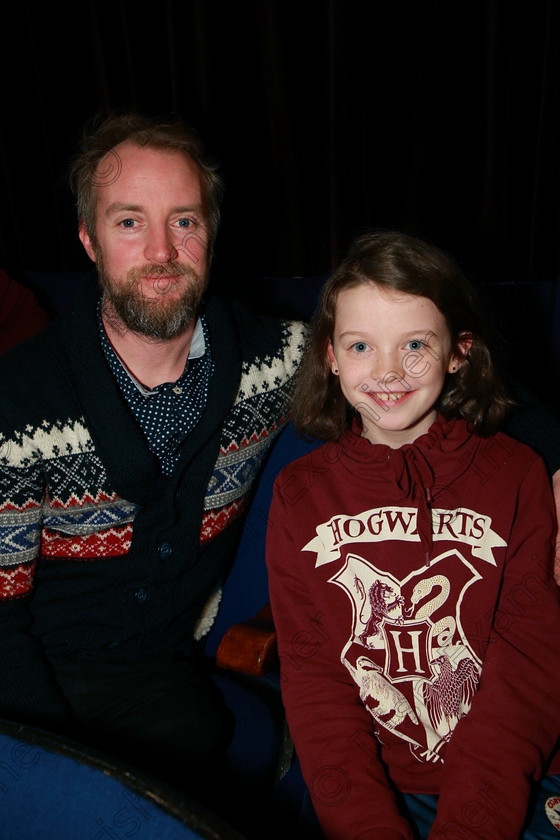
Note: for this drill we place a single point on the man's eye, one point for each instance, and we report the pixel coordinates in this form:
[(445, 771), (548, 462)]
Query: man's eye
[(128, 223), (414, 344), (185, 223), (360, 346)]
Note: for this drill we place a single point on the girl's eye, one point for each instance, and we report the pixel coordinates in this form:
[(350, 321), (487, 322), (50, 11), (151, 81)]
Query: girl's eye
[(414, 344), (360, 347)]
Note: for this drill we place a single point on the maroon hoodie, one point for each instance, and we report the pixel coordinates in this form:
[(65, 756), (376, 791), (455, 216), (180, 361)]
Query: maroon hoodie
[(418, 629)]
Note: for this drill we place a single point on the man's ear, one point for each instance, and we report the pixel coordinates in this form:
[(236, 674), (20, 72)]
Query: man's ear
[(464, 344), (86, 241)]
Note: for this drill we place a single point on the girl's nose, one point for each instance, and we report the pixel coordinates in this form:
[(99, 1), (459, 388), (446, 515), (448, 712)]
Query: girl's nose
[(387, 368)]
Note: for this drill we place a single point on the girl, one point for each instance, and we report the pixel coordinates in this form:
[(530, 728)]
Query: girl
[(409, 563)]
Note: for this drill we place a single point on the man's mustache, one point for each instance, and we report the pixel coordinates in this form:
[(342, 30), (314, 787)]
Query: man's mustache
[(170, 269)]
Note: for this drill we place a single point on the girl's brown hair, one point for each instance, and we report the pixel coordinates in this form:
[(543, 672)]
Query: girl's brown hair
[(408, 265)]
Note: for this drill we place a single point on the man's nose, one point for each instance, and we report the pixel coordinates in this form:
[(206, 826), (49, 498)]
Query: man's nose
[(160, 244)]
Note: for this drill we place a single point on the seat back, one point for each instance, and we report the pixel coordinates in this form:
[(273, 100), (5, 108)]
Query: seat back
[(53, 789)]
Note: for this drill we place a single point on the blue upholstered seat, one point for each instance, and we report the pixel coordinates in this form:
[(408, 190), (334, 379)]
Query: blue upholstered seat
[(53, 789)]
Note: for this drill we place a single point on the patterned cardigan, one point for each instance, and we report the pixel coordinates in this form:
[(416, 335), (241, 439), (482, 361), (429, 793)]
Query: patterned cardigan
[(102, 557)]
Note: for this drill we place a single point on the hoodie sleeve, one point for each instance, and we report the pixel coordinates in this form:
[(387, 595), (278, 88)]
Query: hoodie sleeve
[(506, 740), (331, 729)]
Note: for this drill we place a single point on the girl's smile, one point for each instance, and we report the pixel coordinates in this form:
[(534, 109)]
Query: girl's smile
[(392, 352), (391, 398)]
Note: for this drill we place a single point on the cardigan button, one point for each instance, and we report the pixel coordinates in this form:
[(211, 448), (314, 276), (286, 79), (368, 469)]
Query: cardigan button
[(141, 596), (165, 550)]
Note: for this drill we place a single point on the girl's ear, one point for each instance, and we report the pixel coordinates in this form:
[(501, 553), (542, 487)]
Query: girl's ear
[(331, 359), (464, 344)]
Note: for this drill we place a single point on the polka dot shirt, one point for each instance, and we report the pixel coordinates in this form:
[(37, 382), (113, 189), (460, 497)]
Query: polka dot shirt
[(168, 413)]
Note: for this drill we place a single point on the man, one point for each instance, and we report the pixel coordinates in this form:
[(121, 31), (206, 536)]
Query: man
[(130, 434)]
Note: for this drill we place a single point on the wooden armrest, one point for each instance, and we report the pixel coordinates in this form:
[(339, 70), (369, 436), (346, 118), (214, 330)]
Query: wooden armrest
[(250, 646)]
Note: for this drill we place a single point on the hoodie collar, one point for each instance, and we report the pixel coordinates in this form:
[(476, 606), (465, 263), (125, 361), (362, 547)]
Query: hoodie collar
[(417, 472)]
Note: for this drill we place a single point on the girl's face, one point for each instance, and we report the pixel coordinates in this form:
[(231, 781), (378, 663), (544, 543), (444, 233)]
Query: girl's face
[(392, 352)]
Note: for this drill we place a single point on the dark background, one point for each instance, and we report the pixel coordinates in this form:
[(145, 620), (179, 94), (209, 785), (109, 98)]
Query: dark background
[(327, 117), (437, 117)]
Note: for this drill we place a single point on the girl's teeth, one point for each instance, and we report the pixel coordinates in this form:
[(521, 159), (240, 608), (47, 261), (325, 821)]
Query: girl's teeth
[(384, 397)]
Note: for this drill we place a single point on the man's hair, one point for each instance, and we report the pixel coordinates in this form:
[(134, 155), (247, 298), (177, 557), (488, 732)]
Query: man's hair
[(400, 263), (143, 132)]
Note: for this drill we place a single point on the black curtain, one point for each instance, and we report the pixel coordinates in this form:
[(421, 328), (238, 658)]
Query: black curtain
[(432, 116)]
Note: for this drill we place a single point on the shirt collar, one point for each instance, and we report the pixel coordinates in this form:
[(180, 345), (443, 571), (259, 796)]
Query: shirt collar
[(197, 351), (198, 342)]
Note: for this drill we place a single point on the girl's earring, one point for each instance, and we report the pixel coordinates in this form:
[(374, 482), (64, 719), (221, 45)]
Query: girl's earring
[(335, 371)]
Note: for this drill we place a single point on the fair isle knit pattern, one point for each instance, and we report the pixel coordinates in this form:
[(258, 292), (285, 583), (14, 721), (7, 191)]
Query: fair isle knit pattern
[(258, 413), (95, 523), (103, 557), (82, 520)]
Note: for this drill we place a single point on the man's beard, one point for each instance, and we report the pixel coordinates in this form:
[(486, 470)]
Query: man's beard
[(166, 313)]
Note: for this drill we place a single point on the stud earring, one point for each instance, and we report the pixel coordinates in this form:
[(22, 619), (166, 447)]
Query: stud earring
[(335, 371)]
